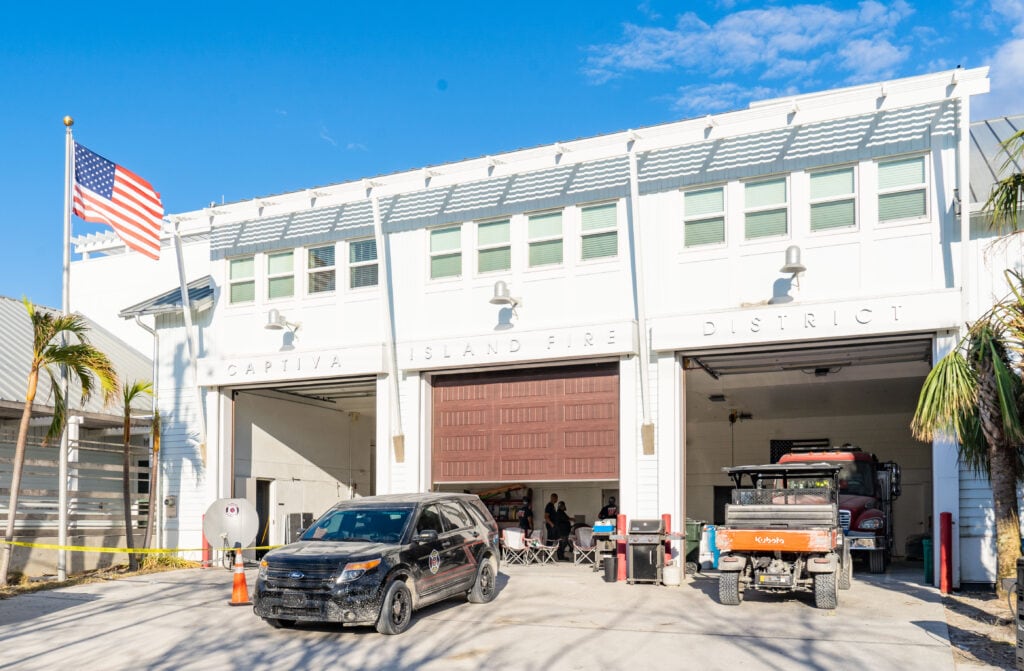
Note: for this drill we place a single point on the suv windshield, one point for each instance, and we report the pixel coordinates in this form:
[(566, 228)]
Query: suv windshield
[(360, 525), (855, 478)]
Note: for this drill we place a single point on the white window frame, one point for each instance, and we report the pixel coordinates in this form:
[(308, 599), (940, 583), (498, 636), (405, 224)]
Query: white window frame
[(925, 185), (312, 272), (276, 276), (447, 252), (530, 242), (707, 216), (235, 281), (747, 211), (507, 244), (852, 196), (361, 264), (584, 234)]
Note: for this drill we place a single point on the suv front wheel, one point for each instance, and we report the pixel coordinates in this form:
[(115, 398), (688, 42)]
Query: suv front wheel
[(395, 609)]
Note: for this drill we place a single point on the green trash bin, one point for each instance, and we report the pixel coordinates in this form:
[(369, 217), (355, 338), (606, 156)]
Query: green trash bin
[(691, 549), (929, 560)]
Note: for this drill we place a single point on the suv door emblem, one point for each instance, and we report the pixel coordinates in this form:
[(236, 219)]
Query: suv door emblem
[(435, 561)]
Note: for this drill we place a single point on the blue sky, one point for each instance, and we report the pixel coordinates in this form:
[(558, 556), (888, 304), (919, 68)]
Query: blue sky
[(217, 101)]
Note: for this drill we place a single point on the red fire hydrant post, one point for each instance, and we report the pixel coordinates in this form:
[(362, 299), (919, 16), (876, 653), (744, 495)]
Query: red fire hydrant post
[(620, 547), (667, 519), (945, 552)]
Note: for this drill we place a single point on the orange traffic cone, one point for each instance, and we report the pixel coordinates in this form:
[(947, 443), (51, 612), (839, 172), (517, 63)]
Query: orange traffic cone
[(239, 590)]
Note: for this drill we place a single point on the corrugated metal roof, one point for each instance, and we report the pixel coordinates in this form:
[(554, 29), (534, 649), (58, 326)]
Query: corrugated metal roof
[(16, 353), (200, 297), (987, 155)]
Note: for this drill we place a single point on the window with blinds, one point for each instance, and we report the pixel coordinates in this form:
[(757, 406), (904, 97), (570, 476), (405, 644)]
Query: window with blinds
[(362, 263), (902, 189), (320, 276), (766, 210), (280, 274), (544, 232), (599, 232), (446, 252), (704, 217), (242, 280), (493, 246), (833, 200)]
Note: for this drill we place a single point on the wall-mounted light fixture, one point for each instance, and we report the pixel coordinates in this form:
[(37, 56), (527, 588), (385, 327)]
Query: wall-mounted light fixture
[(502, 296), (794, 267), (277, 322)]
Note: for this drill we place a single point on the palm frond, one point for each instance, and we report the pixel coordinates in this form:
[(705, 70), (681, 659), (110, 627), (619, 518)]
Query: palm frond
[(947, 396), (1007, 196), (131, 392), (59, 408)]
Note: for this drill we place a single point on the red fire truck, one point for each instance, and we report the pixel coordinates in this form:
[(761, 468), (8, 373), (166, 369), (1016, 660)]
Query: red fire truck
[(867, 489)]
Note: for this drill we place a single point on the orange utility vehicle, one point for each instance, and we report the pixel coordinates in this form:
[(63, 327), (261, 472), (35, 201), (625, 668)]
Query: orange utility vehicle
[(782, 533)]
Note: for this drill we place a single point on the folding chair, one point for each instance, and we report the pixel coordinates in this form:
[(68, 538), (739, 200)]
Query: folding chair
[(583, 549), (542, 552), (515, 548)]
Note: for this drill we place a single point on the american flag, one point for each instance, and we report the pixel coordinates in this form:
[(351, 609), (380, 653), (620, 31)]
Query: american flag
[(106, 193)]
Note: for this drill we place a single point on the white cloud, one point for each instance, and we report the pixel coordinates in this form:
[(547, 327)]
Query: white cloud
[(326, 137), (870, 59), (1007, 72), (355, 146), (755, 39), (719, 97)]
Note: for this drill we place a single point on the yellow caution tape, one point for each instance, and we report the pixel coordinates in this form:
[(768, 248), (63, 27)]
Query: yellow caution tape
[(89, 548)]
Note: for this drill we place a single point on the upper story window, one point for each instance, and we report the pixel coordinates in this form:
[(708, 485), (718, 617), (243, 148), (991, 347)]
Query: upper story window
[(320, 269), (362, 263), (446, 252), (599, 230), (704, 217), (544, 232), (242, 280), (766, 210), (493, 247), (902, 189), (833, 199), (280, 274)]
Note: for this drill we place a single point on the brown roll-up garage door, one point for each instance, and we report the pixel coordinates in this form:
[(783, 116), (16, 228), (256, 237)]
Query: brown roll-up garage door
[(534, 424)]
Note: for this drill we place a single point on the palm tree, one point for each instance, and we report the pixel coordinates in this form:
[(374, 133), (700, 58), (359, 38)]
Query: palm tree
[(129, 394), (154, 475), (975, 393), (53, 346)]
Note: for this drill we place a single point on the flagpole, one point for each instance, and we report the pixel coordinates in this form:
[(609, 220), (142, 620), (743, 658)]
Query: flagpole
[(62, 470)]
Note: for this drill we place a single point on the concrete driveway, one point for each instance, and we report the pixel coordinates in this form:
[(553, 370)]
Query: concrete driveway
[(545, 617)]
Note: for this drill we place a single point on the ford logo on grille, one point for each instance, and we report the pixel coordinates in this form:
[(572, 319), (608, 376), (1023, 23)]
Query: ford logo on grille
[(296, 575)]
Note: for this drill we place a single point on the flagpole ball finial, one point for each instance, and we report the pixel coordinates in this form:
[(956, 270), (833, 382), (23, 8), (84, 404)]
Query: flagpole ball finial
[(69, 122)]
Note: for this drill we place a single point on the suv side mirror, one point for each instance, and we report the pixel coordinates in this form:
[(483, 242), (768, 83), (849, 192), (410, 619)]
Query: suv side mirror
[(428, 536)]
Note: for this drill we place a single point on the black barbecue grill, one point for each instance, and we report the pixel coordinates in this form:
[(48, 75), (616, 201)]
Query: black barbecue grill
[(645, 551)]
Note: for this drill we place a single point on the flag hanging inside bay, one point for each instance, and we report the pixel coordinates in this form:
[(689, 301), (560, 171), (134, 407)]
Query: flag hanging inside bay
[(106, 193)]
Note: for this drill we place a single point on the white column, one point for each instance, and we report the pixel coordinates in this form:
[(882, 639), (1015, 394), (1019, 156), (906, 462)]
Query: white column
[(945, 479), (628, 437), (671, 451)]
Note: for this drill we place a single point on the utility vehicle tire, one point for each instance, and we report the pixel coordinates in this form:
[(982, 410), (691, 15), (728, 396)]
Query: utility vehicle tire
[(846, 569), (395, 609), (729, 588), (825, 593), (279, 624), (484, 587), (876, 561)]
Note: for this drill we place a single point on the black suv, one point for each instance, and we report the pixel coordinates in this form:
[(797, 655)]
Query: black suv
[(375, 560)]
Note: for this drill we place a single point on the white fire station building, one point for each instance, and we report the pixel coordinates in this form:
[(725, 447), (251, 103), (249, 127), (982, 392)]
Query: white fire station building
[(619, 315)]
